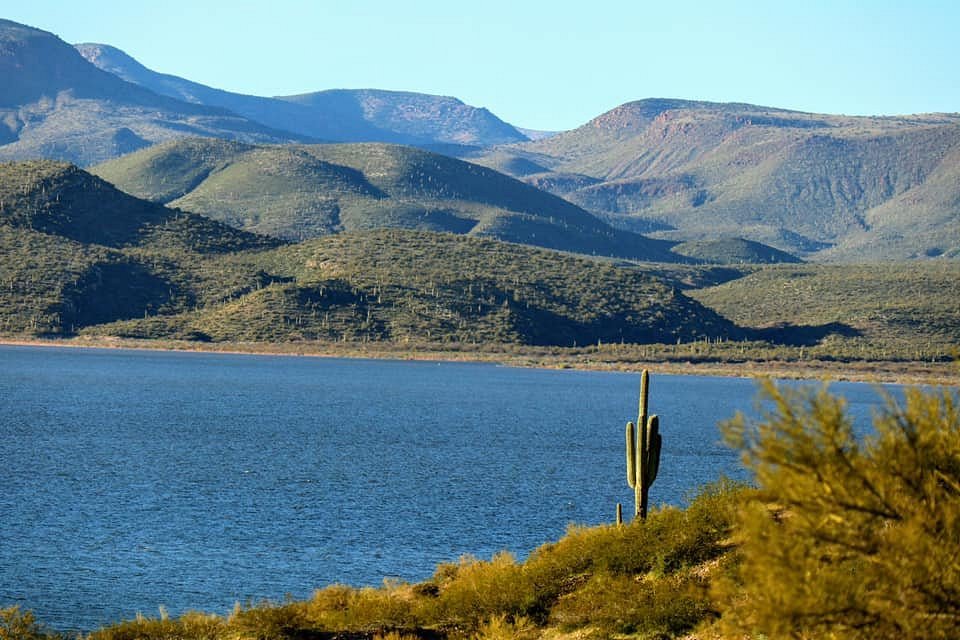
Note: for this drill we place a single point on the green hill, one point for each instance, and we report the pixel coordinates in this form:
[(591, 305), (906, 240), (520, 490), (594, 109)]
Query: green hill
[(732, 251), (80, 256), (406, 286), (910, 308), (302, 191), (76, 251), (819, 186), (62, 200)]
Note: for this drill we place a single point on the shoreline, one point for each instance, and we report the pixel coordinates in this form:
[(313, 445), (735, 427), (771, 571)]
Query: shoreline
[(878, 372)]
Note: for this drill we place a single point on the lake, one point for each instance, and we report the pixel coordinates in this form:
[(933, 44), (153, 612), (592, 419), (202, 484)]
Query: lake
[(136, 479)]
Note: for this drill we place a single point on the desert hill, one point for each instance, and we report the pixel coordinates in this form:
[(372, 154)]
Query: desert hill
[(836, 187), (303, 191)]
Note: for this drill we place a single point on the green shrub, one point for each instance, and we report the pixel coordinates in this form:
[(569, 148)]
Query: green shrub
[(472, 590), (849, 537), (502, 628), (20, 625), (339, 607), (192, 625), (628, 604)]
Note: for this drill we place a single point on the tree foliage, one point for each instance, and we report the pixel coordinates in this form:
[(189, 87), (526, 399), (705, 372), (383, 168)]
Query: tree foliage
[(849, 537)]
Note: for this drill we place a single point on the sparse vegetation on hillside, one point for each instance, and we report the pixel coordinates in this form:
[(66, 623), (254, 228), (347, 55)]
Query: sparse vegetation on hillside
[(302, 192), (85, 258), (854, 188), (733, 251), (900, 310), (414, 286)]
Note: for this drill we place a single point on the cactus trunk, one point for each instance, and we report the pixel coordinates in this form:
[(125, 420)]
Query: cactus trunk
[(643, 450)]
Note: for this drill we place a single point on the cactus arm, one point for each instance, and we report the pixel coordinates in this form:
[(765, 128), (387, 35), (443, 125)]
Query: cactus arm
[(631, 455), (653, 450)]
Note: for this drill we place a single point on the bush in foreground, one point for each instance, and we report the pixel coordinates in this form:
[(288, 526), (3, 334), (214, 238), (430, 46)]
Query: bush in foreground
[(849, 537)]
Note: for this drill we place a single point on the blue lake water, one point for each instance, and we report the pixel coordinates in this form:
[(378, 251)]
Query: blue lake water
[(131, 479)]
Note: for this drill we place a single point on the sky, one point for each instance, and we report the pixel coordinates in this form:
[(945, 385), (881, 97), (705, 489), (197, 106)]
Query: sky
[(544, 65)]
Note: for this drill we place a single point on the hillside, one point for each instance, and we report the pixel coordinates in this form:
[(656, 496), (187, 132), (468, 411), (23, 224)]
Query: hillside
[(75, 251), (56, 105), (342, 115), (732, 251), (404, 286), (303, 191), (60, 199), (818, 186), (79, 255), (876, 310)]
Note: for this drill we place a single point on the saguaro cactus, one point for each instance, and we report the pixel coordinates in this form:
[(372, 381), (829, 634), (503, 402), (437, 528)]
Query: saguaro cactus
[(643, 450)]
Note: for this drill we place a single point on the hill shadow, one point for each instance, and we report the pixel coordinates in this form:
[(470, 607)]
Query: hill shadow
[(801, 335)]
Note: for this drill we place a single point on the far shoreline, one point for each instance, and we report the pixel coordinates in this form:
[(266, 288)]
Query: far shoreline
[(878, 372)]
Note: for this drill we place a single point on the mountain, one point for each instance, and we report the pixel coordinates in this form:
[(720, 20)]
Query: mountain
[(733, 251), (77, 255), (60, 199), (302, 191), (907, 307), (415, 287), (54, 104), (342, 115), (818, 186), (408, 118), (75, 251)]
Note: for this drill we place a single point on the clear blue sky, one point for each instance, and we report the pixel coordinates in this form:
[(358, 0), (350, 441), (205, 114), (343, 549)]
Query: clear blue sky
[(540, 64)]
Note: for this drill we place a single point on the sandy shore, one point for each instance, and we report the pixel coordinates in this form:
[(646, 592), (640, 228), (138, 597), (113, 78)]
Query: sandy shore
[(938, 373)]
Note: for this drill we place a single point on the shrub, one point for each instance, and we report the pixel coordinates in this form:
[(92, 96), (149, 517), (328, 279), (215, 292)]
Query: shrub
[(196, 626), (20, 625), (848, 537), (618, 604), (474, 590), (339, 607)]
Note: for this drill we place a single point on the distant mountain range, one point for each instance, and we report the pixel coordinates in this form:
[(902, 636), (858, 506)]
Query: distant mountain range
[(56, 103), (341, 115), (833, 187), (730, 182)]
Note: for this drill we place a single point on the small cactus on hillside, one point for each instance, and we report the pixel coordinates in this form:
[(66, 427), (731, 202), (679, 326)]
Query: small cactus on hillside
[(643, 450)]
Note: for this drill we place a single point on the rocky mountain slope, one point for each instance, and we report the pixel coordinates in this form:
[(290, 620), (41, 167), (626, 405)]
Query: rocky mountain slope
[(54, 104), (834, 187), (341, 115)]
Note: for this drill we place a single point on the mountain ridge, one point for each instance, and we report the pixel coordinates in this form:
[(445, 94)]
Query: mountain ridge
[(809, 184), (77, 255), (54, 104), (333, 115)]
